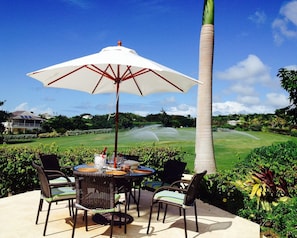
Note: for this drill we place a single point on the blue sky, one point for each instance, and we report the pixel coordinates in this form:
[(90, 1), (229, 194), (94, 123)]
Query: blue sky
[(253, 40)]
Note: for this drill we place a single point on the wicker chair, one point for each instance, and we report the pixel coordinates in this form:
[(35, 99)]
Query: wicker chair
[(53, 170), (173, 171), (175, 196), (53, 193), (96, 193)]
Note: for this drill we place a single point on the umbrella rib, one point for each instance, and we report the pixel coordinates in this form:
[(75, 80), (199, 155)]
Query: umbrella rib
[(136, 74), (166, 80), (103, 72), (65, 75), (133, 76)]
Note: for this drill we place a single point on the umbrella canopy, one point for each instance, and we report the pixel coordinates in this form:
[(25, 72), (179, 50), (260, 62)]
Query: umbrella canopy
[(114, 69)]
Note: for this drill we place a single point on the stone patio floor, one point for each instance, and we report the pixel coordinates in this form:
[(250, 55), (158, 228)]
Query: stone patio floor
[(18, 214)]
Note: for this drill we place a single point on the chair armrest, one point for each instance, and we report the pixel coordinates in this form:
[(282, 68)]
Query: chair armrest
[(169, 188), (59, 185), (55, 173), (180, 181)]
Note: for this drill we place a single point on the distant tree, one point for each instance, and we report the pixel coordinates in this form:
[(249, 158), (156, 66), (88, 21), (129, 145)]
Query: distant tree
[(153, 118), (165, 119), (289, 83), (102, 121), (3, 117), (125, 122), (79, 123), (60, 124)]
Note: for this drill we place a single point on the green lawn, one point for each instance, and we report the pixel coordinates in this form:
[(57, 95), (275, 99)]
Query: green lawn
[(229, 146)]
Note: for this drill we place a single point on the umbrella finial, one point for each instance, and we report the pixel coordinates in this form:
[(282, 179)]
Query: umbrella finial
[(119, 43)]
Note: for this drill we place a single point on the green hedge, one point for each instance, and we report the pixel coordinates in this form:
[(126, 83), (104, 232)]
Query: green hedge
[(18, 175)]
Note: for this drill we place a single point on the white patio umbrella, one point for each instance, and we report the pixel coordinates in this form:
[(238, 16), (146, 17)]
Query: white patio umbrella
[(114, 69)]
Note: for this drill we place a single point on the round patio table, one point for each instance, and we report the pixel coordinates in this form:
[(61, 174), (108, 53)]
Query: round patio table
[(123, 179), (140, 171)]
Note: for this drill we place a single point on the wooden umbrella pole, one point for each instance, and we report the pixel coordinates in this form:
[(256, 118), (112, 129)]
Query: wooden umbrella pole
[(116, 128)]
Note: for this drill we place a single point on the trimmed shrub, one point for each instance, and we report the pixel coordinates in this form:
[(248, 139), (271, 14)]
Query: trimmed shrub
[(17, 174)]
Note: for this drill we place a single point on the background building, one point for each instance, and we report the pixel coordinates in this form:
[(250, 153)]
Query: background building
[(22, 122)]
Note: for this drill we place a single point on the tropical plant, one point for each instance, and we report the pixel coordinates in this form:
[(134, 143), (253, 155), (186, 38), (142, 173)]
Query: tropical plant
[(204, 147), (289, 83), (265, 188), (262, 188)]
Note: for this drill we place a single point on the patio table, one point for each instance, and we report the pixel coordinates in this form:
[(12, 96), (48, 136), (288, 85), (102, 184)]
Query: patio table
[(123, 179)]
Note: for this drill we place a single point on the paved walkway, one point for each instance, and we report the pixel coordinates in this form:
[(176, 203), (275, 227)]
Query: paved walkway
[(18, 213)]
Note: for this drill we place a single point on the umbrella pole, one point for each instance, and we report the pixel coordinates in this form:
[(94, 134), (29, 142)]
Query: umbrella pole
[(116, 129)]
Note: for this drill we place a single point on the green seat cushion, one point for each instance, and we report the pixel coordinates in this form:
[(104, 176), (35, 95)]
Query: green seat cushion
[(61, 193), (100, 211), (170, 196)]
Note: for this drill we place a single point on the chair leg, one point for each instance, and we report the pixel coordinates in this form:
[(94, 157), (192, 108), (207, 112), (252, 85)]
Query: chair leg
[(165, 212), (39, 210), (138, 186), (47, 216), (196, 219), (125, 225), (86, 219), (74, 223), (70, 207), (136, 199), (159, 208), (40, 204), (139, 190), (111, 224), (185, 223), (150, 217)]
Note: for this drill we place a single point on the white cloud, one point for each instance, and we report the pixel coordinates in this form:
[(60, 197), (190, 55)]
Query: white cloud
[(228, 107), (142, 113), (246, 77), (250, 100), (290, 11), (169, 100), (183, 110), (277, 100), (291, 67), (21, 107), (251, 89), (259, 17), (36, 110), (248, 71), (240, 88), (232, 107), (285, 26)]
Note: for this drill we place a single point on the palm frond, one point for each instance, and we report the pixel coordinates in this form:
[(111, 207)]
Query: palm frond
[(208, 13)]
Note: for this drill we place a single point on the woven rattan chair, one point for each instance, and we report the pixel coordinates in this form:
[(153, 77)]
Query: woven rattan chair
[(173, 171), (53, 170), (175, 196), (96, 193), (53, 193)]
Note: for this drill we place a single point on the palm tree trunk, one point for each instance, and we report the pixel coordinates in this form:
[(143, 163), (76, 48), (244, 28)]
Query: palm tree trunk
[(205, 159)]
